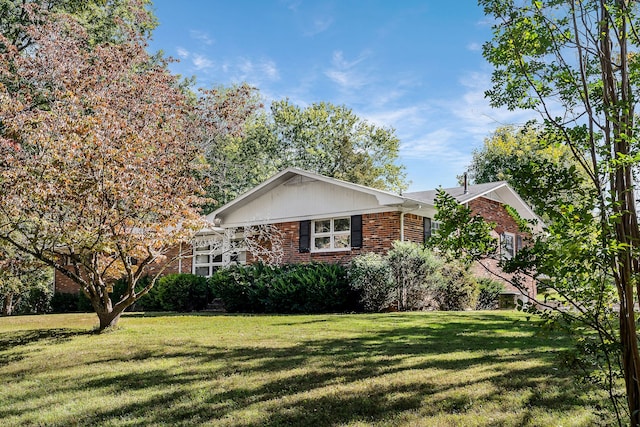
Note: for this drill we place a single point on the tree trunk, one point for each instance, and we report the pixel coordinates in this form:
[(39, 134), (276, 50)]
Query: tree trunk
[(108, 319), (630, 357), (107, 315), (7, 304)]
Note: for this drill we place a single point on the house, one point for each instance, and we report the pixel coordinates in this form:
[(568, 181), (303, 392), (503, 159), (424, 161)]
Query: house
[(299, 217), (317, 218)]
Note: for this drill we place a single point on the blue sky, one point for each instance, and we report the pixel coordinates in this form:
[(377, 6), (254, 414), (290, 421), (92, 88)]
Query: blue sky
[(414, 65)]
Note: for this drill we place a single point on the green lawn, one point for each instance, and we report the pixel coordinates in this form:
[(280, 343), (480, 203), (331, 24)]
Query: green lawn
[(431, 369)]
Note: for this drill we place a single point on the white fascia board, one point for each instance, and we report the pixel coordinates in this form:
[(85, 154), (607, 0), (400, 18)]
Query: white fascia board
[(310, 217)]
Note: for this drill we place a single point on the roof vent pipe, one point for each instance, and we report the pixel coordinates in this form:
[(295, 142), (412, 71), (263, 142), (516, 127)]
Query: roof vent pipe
[(466, 184)]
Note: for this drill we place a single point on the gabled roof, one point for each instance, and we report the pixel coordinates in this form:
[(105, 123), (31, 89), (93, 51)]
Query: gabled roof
[(458, 193), (385, 198), (499, 191), (294, 178)]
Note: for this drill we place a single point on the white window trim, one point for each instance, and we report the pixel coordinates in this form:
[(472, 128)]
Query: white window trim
[(331, 234), (225, 251)]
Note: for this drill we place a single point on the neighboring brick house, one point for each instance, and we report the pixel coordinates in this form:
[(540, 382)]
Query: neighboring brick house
[(328, 220)]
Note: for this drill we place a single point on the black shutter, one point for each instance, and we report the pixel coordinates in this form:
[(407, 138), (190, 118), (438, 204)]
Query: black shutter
[(426, 223), (305, 236), (356, 231)]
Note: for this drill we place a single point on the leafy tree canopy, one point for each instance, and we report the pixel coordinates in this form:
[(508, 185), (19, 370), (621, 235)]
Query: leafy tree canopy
[(576, 63), (536, 164), (322, 138), (97, 166)]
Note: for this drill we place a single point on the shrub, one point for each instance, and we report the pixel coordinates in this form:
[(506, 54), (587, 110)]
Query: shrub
[(457, 289), (371, 275), (183, 292), (63, 302), (36, 301), (414, 269), (489, 295), (148, 302), (295, 288)]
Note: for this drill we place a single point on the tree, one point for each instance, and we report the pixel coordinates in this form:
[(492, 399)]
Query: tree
[(232, 139), (532, 160), (576, 63), (331, 140), (97, 171), (21, 275), (245, 145), (104, 20)]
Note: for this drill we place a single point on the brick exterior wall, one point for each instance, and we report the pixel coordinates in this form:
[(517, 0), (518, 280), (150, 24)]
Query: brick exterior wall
[(66, 285), (379, 231), (493, 211)]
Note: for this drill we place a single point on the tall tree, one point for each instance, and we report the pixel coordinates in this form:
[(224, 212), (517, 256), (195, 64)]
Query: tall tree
[(333, 141), (97, 171), (577, 63), (245, 144), (102, 19), (532, 160), (228, 123)]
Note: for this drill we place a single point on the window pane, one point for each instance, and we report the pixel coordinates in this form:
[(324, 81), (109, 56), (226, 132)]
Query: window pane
[(342, 224), (322, 226), (203, 248), (507, 244), (342, 241), (202, 271), (322, 242), (217, 258), (202, 259)]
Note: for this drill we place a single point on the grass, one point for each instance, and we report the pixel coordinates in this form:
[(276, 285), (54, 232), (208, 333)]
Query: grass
[(431, 369)]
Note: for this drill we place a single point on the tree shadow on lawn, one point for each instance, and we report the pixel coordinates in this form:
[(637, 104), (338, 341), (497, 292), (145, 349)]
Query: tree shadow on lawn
[(376, 377), (11, 343)]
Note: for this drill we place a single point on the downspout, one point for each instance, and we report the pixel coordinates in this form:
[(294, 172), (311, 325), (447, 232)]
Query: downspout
[(180, 259), (402, 214)]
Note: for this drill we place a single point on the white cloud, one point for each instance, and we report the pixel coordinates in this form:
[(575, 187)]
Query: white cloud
[(474, 47), (202, 36), (344, 72), (255, 72), (182, 53), (201, 62), (319, 25)]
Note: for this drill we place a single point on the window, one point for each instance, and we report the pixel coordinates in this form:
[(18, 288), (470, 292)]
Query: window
[(206, 260), (331, 234), (430, 228), (507, 245)]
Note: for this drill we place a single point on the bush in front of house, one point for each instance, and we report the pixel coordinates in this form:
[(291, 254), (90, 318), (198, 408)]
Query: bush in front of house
[(294, 288), (36, 300), (489, 295), (457, 289), (148, 302), (371, 275), (416, 270), (182, 292), (402, 279), (242, 288), (411, 277)]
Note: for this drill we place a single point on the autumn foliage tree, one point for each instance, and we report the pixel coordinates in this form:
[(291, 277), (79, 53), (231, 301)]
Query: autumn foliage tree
[(98, 176)]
